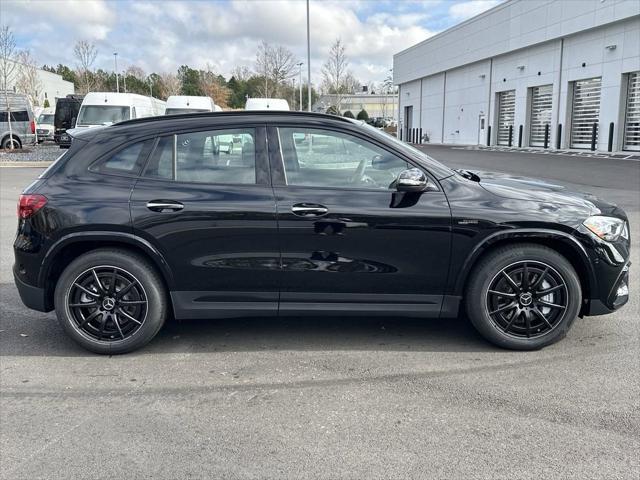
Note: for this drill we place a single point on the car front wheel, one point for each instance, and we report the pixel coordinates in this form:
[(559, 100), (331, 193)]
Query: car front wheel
[(111, 301), (523, 297)]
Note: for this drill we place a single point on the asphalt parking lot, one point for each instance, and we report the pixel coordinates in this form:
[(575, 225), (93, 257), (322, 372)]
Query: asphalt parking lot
[(328, 398)]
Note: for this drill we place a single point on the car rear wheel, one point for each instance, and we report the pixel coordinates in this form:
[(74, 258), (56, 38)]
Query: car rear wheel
[(111, 301), (523, 297)]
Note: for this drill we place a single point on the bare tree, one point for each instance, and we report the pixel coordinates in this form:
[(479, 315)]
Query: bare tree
[(28, 81), (336, 77), (241, 73), (212, 86), (276, 65), (169, 85), (7, 70), (85, 54), (136, 72)]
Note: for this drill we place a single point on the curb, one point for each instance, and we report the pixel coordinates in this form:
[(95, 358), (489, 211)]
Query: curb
[(33, 164)]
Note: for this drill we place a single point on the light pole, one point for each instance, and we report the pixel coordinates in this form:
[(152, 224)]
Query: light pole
[(308, 61), (124, 81), (115, 64), (300, 70)]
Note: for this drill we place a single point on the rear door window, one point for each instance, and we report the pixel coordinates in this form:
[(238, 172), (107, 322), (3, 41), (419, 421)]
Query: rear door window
[(212, 156)]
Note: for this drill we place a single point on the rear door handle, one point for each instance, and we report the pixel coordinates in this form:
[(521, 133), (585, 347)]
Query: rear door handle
[(164, 205), (309, 210)]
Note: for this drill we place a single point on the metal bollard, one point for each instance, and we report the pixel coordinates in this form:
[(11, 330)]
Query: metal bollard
[(546, 136), (520, 137), (510, 135), (489, 136), (610, 143), (559, 137), (594, 133)]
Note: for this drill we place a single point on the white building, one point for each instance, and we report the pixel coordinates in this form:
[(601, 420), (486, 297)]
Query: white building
[(376, 105), (52, 86), (526, 70)]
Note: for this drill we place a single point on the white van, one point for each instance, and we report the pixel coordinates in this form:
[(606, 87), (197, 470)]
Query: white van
[(105, 108), (266, 104), (177, 104)]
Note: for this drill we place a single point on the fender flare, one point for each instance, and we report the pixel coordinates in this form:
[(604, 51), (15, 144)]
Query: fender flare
[(105, 236), (522, 234)]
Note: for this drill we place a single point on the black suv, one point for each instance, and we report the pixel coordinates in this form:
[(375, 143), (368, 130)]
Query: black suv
[(277, 213)]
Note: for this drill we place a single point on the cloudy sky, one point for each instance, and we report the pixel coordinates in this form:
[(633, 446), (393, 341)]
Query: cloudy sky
[(161, 35)]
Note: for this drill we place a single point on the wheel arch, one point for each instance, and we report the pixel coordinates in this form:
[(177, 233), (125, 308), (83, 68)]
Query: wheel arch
[(563, 243), (71, 246)]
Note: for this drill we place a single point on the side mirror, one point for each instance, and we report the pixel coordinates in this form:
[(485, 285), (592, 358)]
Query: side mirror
[(414, 180)]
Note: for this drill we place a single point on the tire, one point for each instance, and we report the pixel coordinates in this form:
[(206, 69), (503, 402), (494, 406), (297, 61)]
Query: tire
[(6, 143), (490, 297), (104, 320)]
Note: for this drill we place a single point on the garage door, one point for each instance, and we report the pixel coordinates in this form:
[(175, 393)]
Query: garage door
[(541, 102), (506, 111), (632, 116), (585, 111)]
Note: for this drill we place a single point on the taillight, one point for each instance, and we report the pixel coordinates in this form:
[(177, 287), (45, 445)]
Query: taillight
[(29, 204), (33, 126)]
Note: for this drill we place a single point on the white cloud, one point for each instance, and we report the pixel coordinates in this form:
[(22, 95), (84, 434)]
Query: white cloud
[(465, 10), (161, 36)]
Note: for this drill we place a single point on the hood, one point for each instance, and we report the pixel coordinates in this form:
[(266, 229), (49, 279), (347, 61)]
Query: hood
[(538, 190)]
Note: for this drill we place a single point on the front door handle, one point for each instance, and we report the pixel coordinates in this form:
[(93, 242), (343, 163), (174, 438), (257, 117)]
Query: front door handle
[(309, 210), (164, 205)]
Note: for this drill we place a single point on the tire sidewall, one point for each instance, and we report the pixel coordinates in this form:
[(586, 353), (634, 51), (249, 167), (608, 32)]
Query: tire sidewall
[(491, 266), (142, 272)]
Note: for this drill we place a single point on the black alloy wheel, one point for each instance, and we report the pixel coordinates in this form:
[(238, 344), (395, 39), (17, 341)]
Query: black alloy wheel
[(107, 303), (527, 299), (523, 296)]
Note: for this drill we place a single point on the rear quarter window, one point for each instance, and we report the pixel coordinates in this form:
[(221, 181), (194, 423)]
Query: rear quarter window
[(126, 161)]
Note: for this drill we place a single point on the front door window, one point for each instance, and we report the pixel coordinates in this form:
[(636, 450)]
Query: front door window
[(324, 158)]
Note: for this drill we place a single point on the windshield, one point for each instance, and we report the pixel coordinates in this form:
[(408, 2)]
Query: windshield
[(410, 149), (178, 111), (46, 118), (102, 114)]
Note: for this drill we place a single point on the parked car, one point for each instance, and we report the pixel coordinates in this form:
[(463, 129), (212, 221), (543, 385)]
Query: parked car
[(23, 125), (65, 117), (45, 125), (310, 214), (266, 104), (107, 108), (179, 104)]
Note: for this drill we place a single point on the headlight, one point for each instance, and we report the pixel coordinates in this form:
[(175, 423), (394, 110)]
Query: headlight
[(609, 229)]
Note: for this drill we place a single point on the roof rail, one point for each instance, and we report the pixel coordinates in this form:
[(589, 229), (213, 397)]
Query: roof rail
[(232, 113)]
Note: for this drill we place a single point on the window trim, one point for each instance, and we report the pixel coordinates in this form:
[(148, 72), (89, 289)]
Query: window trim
[(262, 171), (276, 158)]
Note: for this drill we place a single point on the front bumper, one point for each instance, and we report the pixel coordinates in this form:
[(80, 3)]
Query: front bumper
[(617, 298), (32, 297)]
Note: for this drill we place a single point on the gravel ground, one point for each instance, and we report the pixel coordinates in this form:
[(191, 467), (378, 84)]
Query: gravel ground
[(45, 152)]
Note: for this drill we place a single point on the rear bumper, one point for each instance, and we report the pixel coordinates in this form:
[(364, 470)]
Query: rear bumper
[(32, 297)]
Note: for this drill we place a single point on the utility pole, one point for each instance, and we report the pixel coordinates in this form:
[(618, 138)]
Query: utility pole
[(308, 60), (115, 64), (300, 70)]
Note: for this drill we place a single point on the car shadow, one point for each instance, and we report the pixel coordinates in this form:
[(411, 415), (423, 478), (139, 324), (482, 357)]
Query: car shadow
[(27, 333)]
